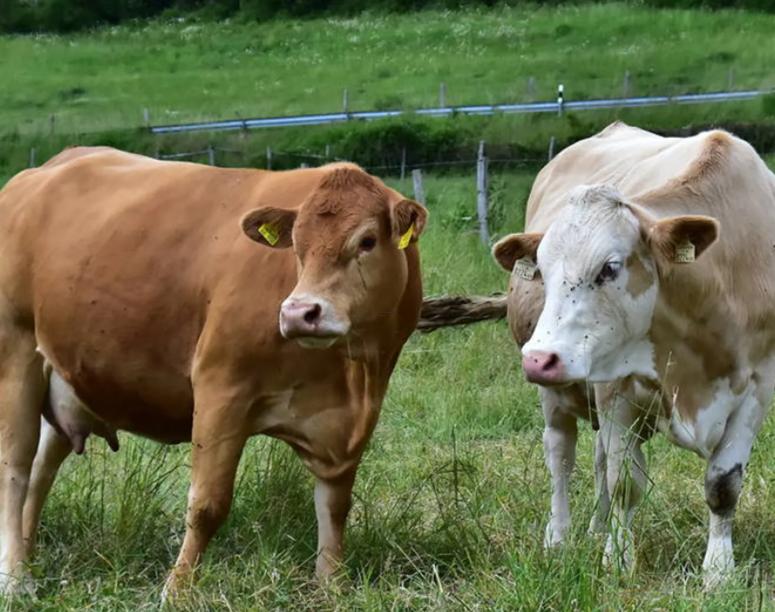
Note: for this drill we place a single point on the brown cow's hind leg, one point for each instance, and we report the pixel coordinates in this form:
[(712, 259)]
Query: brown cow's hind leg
[(22, 388), (53, 449)]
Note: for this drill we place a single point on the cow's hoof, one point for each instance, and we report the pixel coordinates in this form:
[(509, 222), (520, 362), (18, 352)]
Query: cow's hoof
[(597, 526), (717, 569), (175, 587), (19, 585), (554, 535), (619, 553)]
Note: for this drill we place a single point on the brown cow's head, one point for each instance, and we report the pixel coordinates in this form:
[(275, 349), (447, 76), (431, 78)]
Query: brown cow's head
[(349, 237)]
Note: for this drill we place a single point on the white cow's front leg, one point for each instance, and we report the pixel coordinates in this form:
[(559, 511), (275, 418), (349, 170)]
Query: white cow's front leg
[(723, 482), (560, 454), (599, 521), (620, 432)]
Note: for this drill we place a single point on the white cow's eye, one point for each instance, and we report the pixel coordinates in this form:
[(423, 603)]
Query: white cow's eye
[(608, 272)]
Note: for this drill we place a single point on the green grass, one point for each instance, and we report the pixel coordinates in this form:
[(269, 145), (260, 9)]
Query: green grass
[(450, 502), (184, 71)]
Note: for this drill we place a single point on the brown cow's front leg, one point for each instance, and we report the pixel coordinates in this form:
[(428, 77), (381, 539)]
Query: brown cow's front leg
[(332, 504), (218, 438)]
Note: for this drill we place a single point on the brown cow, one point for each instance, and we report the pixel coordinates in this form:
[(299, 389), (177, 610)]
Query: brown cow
[(141, 283)]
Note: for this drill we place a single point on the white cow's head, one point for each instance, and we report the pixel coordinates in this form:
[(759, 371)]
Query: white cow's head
[(600, 262)]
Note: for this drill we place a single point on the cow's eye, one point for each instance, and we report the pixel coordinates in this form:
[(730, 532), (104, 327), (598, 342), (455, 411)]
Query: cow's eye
[(608, 272), (367, 244)]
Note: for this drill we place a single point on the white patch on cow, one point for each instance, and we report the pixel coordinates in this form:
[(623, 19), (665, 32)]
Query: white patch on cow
[(704, 434)]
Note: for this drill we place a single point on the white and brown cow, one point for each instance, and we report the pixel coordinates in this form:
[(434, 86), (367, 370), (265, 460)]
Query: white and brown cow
[(646, 275), (134, 297)]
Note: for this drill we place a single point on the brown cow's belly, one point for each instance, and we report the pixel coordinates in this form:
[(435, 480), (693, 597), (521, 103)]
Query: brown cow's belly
[(155, 403)]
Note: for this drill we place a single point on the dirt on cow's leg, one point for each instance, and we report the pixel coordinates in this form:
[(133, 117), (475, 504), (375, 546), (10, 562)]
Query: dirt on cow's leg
[(22, 388), (216, 446), (53, 449), (332, 504)]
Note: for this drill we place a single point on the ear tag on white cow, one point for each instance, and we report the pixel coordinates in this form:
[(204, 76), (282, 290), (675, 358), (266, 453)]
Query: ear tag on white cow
[(525, 268), (685, 253), (269, 232), (404, 240)]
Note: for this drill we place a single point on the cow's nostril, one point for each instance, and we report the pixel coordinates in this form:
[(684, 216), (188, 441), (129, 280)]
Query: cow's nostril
[(551, 362), (312, 314)]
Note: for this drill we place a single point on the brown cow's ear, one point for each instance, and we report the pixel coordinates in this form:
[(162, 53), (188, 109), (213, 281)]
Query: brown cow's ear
[(270, 226), (682, 239), (508, 250), (408, 219)]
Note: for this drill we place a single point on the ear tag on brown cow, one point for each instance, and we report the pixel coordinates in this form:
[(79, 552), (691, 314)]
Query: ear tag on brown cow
[(404, 240), (525, 268), (269, 232), (685, 253)]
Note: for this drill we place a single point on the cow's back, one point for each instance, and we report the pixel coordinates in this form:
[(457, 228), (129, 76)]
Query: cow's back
[(116, 259)]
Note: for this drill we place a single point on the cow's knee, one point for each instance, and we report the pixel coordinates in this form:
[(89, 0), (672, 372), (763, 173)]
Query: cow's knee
[(722, 488)]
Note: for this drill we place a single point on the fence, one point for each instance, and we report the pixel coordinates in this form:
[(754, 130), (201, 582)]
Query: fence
[(559, 106)]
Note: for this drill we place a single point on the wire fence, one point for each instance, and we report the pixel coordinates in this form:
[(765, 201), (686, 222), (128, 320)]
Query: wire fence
[(558, 106)]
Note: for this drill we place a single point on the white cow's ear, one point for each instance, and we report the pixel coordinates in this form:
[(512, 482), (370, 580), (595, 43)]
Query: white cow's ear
[(683, 239), (514, 247), (408, 219), (270, 226)]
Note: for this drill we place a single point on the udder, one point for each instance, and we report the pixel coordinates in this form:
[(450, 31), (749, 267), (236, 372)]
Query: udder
[(70, 416)]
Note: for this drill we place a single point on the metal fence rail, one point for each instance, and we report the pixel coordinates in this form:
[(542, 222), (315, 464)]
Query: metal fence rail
[(558, 106)]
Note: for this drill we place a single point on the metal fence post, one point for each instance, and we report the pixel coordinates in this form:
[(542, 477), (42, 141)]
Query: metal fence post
[(346, 103), (442, 95), (481, 195), (550, 156), (419, 193), (626, 85), (403, 163), (269, 158), (146, 117), (560, 98), (210, 155), (32, 157)]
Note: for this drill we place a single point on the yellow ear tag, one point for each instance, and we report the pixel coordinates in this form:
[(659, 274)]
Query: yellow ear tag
[(404, 241), (685, 253), (269, 233)]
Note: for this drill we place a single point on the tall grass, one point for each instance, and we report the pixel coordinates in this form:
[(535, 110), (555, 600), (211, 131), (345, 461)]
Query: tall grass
[(450, 502)]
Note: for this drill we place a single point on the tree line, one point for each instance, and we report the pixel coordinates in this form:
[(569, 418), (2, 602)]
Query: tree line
[(24, 16)]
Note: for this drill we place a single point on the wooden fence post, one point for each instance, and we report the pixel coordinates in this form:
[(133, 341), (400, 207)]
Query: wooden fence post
[(481, 194), (269, 158), (419, 193)]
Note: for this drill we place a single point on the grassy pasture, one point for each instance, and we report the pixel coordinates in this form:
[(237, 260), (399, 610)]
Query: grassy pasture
[(183, 71), (450, 502)]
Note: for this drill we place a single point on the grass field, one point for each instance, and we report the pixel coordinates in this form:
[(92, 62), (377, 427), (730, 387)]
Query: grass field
[(450, 501), (184, 71)]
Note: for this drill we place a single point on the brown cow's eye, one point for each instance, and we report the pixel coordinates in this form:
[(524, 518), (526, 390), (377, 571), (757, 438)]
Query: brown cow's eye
[(367, 244), (608, 272)]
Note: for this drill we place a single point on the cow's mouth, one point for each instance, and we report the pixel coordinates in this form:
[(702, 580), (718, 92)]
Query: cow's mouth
[(317, 342)]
